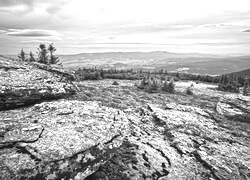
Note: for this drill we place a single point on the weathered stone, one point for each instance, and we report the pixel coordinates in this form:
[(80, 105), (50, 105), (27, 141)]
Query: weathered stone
[(180, 142), (22, 84), (71, 145), (227, 109), (156, 136)]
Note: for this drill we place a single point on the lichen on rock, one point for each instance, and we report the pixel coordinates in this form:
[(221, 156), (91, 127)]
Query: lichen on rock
[(24, 84), (59, 145)]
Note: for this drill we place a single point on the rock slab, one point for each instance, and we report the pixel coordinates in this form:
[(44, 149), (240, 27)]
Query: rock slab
[(62, 139), (24, 84)]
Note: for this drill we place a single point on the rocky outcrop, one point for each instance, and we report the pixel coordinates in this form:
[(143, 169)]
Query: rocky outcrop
[(70, 139), (22, 84), (235, 109), (154, 137), (180, 142), (55, 140)]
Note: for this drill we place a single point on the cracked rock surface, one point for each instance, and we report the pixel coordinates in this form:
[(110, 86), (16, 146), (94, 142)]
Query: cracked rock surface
[(63, 139), (23, 84), (173, 138), (107, 132), (180, 143)]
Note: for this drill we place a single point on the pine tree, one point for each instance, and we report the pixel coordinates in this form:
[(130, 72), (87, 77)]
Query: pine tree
[(21, 56), (43, 54), (246, 87), (31, 58), (53, 59)]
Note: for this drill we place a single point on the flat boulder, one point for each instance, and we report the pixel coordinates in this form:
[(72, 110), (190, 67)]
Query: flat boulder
[(56, 140)]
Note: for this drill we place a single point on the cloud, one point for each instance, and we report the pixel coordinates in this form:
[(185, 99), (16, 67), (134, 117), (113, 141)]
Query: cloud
[(247, 30), (37, 41), (8, 3), (149, 27), (2, 31), (219, 25), (53, 9), (14, 6), (32, 32), (27, 6), (181, 26)]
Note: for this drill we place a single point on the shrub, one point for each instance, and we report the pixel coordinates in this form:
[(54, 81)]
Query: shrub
[(152, 85), (168, 86), (115, 83), (189, 91), (143, 83)]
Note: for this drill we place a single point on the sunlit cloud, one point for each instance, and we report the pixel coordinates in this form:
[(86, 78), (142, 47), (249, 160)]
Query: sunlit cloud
[(32, 32), (192, 25), (37, 41), (2, 31)]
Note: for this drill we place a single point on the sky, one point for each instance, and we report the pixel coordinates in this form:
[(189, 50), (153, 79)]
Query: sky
[(77, 26)]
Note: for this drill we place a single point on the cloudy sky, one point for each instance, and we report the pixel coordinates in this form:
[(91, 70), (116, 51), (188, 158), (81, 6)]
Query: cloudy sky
[(203, 26)]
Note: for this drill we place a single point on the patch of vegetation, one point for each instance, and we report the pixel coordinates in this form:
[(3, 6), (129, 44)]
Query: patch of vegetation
[(98, 74), (189, 90), (135, 74), (168, 86), (246, 87), (230, 84), (115, 83), (45, 55), (153, 84)]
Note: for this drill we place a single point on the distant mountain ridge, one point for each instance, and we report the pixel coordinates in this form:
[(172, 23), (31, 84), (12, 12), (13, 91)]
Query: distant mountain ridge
[(183, 62)]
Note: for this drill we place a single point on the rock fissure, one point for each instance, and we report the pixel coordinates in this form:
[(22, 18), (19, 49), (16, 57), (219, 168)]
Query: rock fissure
[(205, 164), (11, 144), (24, 150), (161, 152)]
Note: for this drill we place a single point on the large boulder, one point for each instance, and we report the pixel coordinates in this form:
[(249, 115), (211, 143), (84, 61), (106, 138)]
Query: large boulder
[(56, 140), (22, 84)]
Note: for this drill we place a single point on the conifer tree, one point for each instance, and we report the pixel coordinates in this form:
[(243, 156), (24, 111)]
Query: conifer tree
[(21, 56), (43, 54), (246, 87), (32, 58), (53, 59)]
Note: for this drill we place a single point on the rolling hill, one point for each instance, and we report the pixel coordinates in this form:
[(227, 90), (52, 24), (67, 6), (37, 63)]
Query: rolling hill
[(183, 62), (243, 74)]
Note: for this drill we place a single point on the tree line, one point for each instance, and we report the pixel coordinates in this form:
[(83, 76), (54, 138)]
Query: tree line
[(151, 79)]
